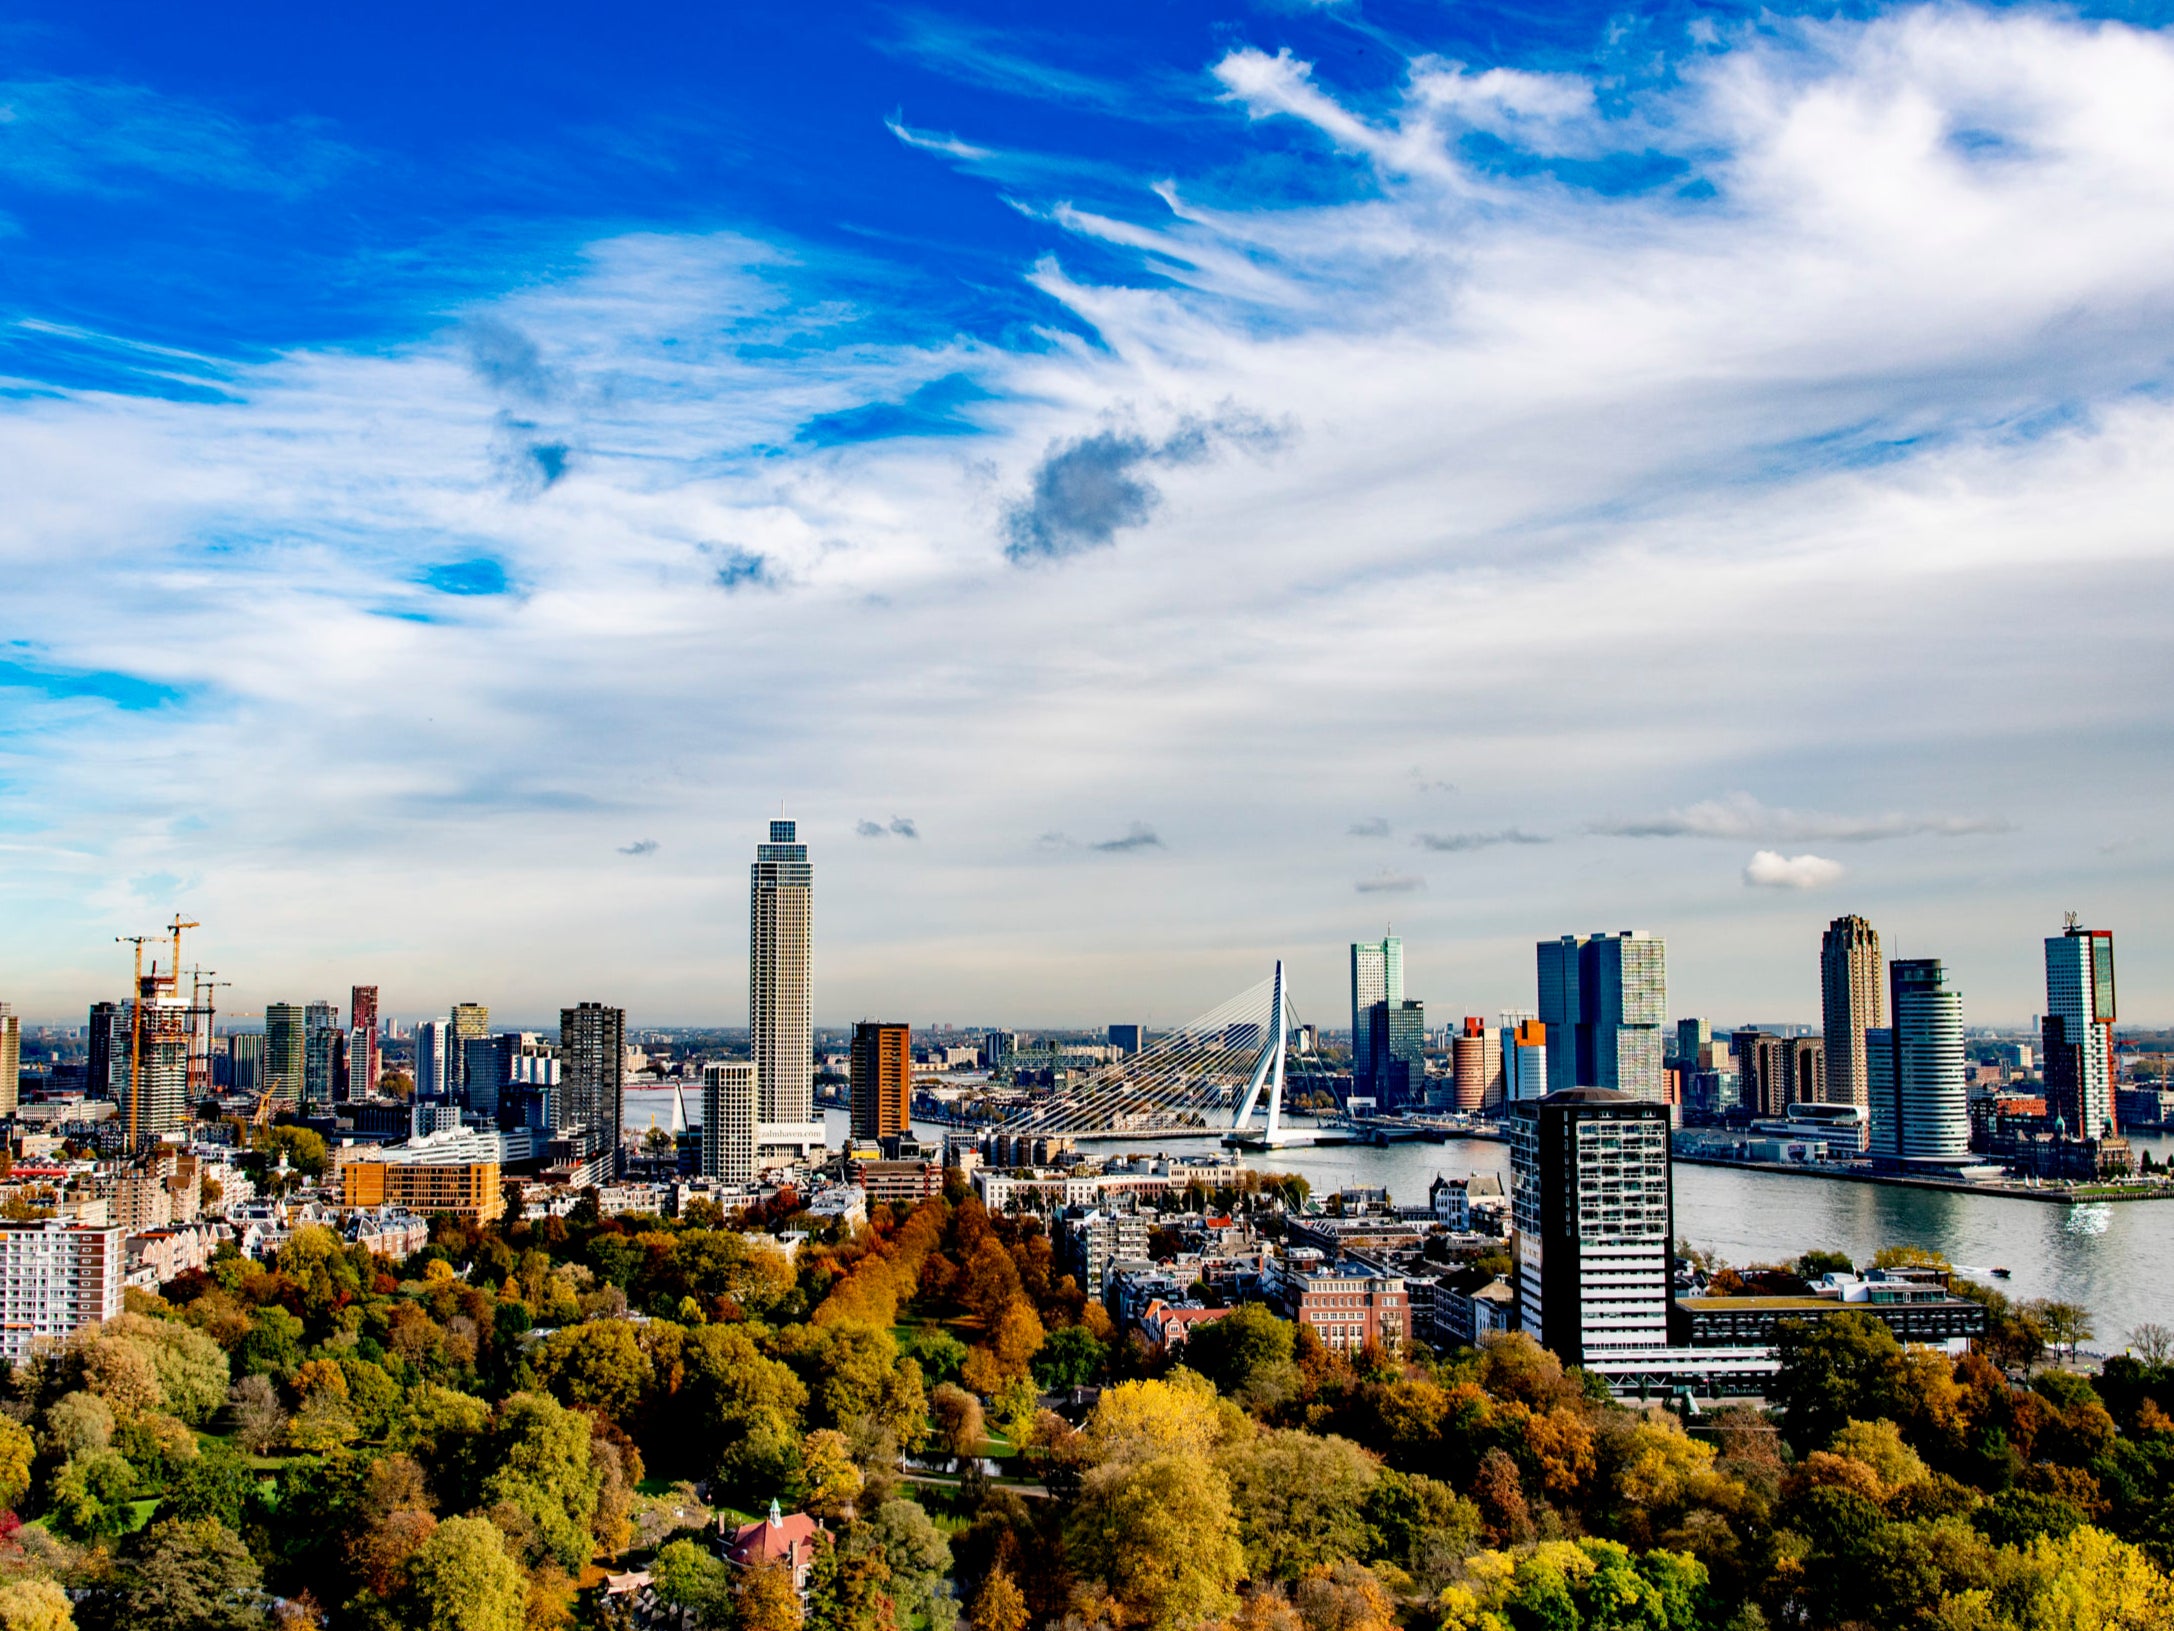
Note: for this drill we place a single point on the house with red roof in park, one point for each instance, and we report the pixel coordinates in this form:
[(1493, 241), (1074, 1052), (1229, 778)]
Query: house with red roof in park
[(786, 1541)]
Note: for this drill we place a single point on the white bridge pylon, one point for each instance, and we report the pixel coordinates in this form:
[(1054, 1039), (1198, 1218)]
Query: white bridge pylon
[(1204, 1078)]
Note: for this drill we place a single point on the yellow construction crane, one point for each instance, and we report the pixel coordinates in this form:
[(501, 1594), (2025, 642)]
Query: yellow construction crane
[(135, 1031)]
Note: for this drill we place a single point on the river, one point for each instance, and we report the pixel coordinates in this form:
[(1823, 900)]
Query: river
[(2117, 1260)]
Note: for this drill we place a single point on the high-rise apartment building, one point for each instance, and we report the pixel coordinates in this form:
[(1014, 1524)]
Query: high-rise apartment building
[(153, 1069), (780, 991), (1594, 1222), (1127, 1038), (245, 1062), (1377, 977), (592, 1062), (881, 1073), (11, 1060), (1919, 1099), (106, 1037), (2078, 1033), (1603, 999), (320, 1051), (1762, 1071), (1475, 1065), (1805, 1058), (1851, 1002), (1524, 1057), (365, 1063), (55, 1278), (730, 1097), (433, 1067), (286, 1050)]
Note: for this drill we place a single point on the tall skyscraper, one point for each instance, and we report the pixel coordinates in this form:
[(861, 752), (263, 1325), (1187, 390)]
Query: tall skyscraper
[(486, 1066), (1524, 1057), (245, 1062), (780, 993), (471, 1023), (2078, 1031), (433, 1071), (154, 1071), (1377, 976), (1762, 1071), (1693, 1038), (365, 1061), (1850, 1004), (729, 1096), (320, 1049), (592, 1062), (1594, 1222), (1396, 1068), (1925, 1115), (11, 1060), (1127, 1038), (1603, 999), (882, 1079), (1475, 1063), (107, 1039), (286, 1050)]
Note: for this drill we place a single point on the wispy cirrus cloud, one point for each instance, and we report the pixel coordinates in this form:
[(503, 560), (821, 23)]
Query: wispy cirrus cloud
[(1740, 816), (104, 136), (1390, 883), (1456, 843)]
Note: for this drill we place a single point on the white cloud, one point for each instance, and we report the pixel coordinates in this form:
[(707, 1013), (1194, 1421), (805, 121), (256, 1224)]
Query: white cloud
[(1770, 869), (1818, 485)]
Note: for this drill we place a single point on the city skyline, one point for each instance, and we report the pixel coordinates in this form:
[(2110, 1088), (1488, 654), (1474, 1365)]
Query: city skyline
[(1425, 403)]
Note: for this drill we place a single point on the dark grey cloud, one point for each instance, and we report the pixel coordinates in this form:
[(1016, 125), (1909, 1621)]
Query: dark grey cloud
[(1390, 883), (905, 827), (1138, 836), (506, 359), (1087, 490), (641, 846), (1371, 827), (898, 826), (1742, 817), (1456, 843)]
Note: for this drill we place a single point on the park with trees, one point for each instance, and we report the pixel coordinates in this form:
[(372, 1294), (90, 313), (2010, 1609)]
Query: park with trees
[(475, 1438)]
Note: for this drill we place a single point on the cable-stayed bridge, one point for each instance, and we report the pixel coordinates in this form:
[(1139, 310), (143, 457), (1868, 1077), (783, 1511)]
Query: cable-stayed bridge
[(1206, 1077)]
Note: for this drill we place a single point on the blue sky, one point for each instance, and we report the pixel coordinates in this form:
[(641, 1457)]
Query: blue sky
[(1151, 492)]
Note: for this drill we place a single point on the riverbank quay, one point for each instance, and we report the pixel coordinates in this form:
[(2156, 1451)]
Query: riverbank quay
[(2055, 1194)]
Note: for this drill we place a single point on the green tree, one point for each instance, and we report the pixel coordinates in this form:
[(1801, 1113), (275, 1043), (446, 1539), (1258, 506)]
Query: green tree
[(1247, 1354), (192, 1575), (273, 1346), (1425, 1527), (78, 1422), (217, 1484), (1071, 1357), (1844, 1366), (541, 1467), (1300, 1501), (91, 1495), (1160, 1537), (912, 1548), (463, 1579), (2066, 1325), (689, 1576)]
